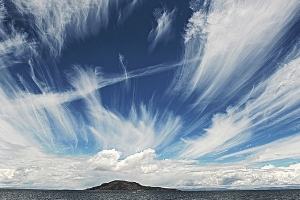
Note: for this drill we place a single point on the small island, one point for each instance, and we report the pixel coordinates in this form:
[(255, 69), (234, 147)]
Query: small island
[(126, 185)]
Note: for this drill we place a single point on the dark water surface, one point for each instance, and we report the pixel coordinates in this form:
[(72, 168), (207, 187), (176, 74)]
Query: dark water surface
[(73, 194)]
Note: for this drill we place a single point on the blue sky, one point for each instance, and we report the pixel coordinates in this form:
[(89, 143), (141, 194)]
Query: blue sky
[(186, 94)]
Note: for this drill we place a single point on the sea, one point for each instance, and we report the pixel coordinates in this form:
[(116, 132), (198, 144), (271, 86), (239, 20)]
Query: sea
[(140, 195)]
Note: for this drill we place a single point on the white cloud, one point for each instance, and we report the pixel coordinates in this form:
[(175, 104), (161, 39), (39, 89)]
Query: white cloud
[(278, 103), (31, 124), (31, 167), (108, 160), (52, 19), (142, 130), (227, 131), (228, 45), (48, 121), (185, 174), (196, 28), (128, 9), (163, 30), (284, 148), (14, 44), (105, 160), (274, 102)]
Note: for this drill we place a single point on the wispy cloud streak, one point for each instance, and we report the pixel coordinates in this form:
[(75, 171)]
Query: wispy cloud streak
[(145, 126), (163, 31), (285, 148), (47, 120), (273, 103), (226, 132), (52, 20), (247, 103), (229, 44)]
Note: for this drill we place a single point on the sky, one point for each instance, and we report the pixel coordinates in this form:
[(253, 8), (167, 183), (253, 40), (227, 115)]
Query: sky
[(192, 94)]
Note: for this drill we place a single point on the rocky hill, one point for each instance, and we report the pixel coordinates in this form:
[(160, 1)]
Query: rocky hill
[(125, 185)]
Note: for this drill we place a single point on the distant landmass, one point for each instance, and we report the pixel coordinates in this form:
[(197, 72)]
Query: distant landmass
[(126, 185)]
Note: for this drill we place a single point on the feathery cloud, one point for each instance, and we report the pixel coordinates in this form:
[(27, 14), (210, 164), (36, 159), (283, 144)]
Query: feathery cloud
[(163, 30)]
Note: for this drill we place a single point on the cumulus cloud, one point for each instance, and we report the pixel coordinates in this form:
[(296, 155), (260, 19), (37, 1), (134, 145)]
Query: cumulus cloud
[(32, 167), (105, 160), (163, 30), (186, 175), (40, 124), (108, 160)]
